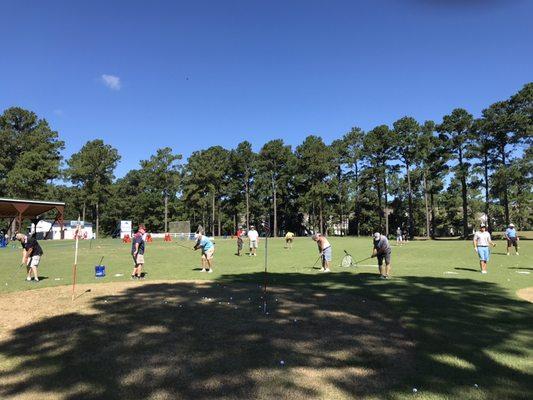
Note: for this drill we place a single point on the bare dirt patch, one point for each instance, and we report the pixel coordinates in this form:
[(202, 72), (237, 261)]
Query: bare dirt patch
[(526, 294), (202, 340)]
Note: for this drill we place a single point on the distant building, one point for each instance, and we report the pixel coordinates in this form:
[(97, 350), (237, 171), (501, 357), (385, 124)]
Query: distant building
[(43, 230)]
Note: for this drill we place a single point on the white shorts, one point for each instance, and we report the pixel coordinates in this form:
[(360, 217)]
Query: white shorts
[(34, 261), (253, 244), (208, 254)]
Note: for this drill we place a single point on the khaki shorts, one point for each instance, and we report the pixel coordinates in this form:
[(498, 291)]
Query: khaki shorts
[(34, 261), (139, 259), (208, 254), (253, 244)]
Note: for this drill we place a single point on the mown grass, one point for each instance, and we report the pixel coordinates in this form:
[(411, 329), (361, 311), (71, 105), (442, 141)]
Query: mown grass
[(472, 335)]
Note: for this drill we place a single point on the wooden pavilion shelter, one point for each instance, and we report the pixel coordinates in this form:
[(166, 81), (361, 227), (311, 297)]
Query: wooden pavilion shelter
[(17, 211)]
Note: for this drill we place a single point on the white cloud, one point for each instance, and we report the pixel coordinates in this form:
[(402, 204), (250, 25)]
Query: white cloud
[(111, 81)]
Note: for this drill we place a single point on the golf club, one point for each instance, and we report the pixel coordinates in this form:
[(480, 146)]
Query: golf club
[(10, 280), (360, 261), (185, 247)]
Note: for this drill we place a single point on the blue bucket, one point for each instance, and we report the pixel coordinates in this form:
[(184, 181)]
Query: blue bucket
[(99, 271)]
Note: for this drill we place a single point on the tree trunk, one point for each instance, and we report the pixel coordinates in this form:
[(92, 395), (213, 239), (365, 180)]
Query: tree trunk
[(427, 206), (275, 206), (380, 205), (432, 207), (213, 215), (464, 194), (166, 212), (357, 208), (219, 222), (247, 188), (465, 205), (321, 220), (487, 194), (505, 194), (97, 222), (410, 201)]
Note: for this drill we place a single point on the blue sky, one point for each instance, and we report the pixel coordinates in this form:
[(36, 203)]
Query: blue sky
[(144, 75)]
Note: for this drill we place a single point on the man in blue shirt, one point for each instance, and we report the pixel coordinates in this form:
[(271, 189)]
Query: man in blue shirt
[(208, 249), (512, 239)]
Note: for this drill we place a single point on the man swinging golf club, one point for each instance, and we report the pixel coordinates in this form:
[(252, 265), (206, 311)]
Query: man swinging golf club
[(324, 249), (208, 250), (137, 252), (31, 255), (382, 251)]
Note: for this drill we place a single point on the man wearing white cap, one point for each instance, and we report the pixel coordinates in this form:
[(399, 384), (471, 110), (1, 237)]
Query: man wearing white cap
[(482, 241), (512, 239), (253, 237), (382, 251)]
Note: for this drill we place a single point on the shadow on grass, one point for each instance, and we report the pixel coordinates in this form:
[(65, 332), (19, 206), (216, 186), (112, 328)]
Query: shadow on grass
[(524, 268), (338, 334)]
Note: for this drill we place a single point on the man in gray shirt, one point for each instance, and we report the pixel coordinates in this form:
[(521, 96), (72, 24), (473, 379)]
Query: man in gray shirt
[(382, 251)]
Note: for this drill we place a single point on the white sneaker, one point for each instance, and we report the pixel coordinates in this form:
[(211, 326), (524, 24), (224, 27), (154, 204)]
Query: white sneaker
[(203, 270), (483, 272), (327, 270), (28, 278), (517, 254), (209, 271), (36, 279), (507, 253)]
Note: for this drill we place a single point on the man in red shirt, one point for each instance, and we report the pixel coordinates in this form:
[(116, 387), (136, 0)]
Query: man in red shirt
[(240, 233)]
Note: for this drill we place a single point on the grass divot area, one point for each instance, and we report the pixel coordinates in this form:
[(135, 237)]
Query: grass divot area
[(526, 294), (169, 340)]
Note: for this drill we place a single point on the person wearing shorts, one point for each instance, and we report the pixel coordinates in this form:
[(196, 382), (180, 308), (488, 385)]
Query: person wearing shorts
[(239, 234), (31, 255), (208, 250), (512, 239), (399, 238), (137, 252), (253, 237), (482, 241), (382, 251), (324, 249), (289, 236)]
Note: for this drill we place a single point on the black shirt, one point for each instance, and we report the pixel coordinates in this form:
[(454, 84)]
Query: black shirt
[(31, 243)]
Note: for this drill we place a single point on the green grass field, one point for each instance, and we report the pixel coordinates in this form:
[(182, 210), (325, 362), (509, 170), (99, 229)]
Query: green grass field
[(438, 325)]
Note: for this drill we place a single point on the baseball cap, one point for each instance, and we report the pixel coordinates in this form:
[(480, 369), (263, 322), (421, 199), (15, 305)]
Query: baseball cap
[(482, 226), (377, 235), (511, 225)]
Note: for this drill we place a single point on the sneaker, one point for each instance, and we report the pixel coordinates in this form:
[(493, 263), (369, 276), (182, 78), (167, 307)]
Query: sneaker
[(507, 253), (133, 277), (36, 280), (517, 254), (28, 279), (327, 270), (382, 277), (483, 272), (209, 271), (203, 270)]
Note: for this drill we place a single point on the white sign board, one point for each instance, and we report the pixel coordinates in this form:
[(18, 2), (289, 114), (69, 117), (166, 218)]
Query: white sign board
[(125, 228)]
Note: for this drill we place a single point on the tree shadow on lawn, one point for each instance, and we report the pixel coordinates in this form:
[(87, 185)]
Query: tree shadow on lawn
[(338, 335)]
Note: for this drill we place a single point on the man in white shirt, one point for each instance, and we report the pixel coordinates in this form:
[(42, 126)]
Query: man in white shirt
[(482, 241), (253, 237)]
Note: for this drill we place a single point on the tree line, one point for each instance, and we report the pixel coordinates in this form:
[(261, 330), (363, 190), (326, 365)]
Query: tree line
[(428, 178)]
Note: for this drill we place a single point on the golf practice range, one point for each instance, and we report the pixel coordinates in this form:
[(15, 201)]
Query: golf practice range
[(438, 329)]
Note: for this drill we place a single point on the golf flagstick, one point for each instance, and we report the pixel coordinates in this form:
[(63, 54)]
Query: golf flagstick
[(75, 267), (266, 225)]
